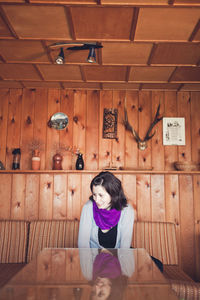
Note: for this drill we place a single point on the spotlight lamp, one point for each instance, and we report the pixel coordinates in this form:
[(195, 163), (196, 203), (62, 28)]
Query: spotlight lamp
[(92, 55), (61, 57)]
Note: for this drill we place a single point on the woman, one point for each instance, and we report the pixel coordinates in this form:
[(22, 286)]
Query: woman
[(106, 219)]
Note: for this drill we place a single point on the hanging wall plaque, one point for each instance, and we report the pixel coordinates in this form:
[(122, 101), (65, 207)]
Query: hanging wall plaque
[(110, 123)]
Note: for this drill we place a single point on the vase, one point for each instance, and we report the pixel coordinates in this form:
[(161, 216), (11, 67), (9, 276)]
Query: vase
[(16, 159), (57, 162), (35, 163), (79, 162)]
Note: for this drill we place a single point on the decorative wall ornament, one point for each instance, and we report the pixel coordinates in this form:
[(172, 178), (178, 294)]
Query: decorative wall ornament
[(58, 121), (110, 123), (142, 144)]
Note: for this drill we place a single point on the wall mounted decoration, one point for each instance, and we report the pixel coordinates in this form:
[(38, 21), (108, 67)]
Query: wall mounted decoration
[(110, 123), (173, 131), (142, 144), (58, 121)]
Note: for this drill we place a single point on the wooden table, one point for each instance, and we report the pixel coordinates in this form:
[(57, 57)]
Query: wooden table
[(85, 274)]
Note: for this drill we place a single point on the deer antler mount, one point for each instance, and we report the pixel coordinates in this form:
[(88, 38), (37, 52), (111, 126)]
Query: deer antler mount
[(142, 143)]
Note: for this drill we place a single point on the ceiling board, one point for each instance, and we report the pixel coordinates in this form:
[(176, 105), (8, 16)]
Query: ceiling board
[(10, 84), (176, 53), (40, 84), (60, 72), (158, 74), (81, 85), (107, 73), (136, 2), (121, 86), (166, 24), (160, 86), (146, 44), (23, 51), (18, 72), (126, 53), (183, 74), (102, 23), (4, 31), (38, 22)]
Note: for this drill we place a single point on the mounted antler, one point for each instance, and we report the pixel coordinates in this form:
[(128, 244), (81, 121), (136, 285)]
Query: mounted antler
[(142, 144)]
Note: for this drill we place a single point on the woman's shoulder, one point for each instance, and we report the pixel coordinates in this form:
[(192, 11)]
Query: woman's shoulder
[(128, 209), (88, 205)]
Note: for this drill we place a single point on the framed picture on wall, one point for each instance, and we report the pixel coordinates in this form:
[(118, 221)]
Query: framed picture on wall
[(173, 131)]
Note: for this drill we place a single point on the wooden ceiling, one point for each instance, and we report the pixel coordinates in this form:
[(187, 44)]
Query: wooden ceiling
[(147, 44)]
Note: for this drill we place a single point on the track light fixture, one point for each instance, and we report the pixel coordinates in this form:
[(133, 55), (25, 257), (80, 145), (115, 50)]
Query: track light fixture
[(91, 46), (92, 55), (61, 57)]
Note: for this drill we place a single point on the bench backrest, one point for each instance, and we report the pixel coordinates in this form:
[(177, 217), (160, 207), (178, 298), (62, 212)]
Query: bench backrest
[(13, 241), (158, 238)]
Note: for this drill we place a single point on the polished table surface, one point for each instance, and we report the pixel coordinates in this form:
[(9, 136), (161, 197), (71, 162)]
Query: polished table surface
[(80, 274)]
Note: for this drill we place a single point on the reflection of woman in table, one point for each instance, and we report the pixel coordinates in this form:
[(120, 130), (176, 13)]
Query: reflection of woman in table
[(106, 219), (107, 270)]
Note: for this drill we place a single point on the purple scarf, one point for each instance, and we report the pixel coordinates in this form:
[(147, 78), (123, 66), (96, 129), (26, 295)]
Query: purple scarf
[(106, 219), (106, 265)]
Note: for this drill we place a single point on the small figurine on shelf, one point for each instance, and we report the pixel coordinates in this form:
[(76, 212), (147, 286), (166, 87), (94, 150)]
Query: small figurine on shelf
[(79, 161), (36, 160), (57, 162), (16, 158)]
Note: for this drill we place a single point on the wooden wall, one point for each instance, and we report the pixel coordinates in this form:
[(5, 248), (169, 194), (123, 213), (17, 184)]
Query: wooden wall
[(24, 115), (160, 195)]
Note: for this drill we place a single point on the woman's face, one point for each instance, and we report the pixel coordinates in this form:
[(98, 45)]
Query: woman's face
[(101, 197), (102, 288)]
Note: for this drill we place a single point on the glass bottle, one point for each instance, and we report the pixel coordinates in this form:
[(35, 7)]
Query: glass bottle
[(79, 162), (16, 159)]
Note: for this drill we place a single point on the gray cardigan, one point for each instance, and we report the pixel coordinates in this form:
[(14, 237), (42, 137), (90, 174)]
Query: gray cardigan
[(88, 230)]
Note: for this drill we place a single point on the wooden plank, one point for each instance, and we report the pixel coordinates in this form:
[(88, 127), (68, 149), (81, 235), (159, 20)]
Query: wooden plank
[(4, 97), (18, 197), (105, 149), (52, 143), (184, 152), (131, 147), (196, 184), (172, 204), (157, 198), (144, 124), (129, 187), (157, 140), (143, 192), (46, 197), (66, 135), (5, 195), (170, 152), (79, 124), (187, 224), (118, 144), (40, 124), (74, 196), (28, 103), (195, 127), (32, 196), (14, 124), (85, 188), (92, 131), (60, 197)]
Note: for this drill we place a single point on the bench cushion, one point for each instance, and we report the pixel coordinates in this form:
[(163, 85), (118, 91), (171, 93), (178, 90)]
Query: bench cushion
[(158, 238), (13, 241), (56, 234)]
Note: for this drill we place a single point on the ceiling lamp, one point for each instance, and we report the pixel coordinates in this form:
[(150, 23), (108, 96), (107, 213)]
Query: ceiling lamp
[(61, 57), (92, 55)]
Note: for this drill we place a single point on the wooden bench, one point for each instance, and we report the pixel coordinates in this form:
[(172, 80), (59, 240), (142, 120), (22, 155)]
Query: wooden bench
[(21, 241)]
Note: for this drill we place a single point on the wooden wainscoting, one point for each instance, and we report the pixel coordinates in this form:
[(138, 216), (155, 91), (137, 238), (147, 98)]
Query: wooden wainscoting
[(155, 196)]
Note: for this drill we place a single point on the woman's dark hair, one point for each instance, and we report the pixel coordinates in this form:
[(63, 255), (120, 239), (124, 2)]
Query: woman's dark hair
[(113, 187)]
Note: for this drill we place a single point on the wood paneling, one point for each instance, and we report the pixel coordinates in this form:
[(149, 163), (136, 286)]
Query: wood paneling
[(162, 195)]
